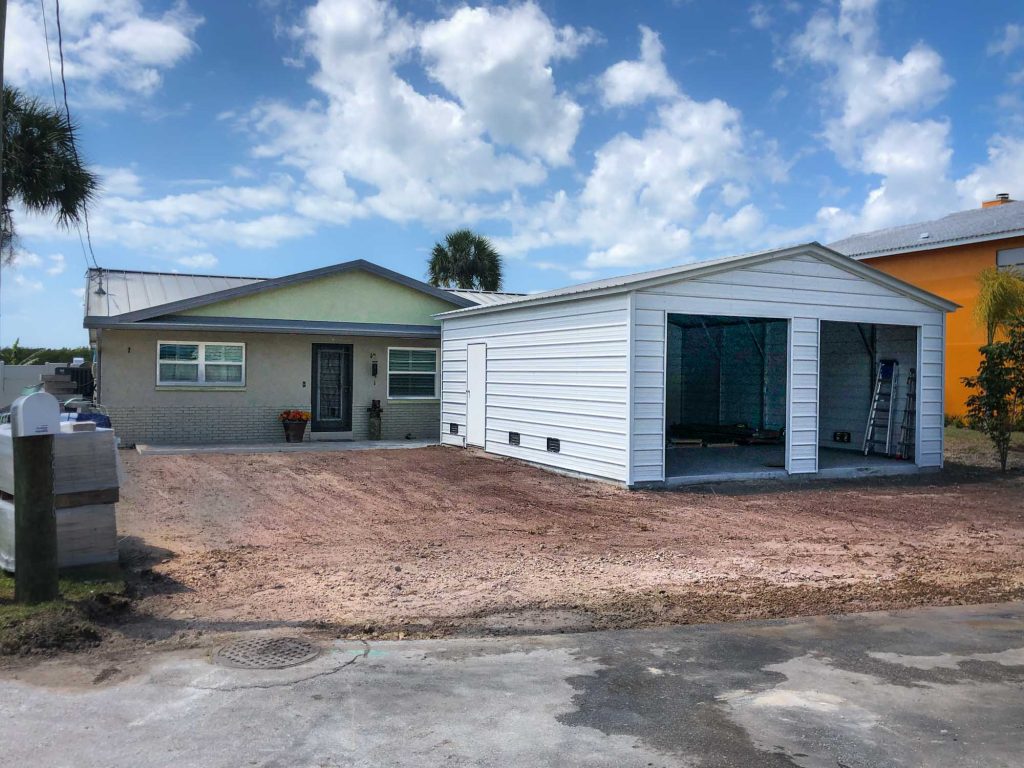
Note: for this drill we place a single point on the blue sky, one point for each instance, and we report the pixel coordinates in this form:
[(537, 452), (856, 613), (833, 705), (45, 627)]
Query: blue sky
[(585, 138)]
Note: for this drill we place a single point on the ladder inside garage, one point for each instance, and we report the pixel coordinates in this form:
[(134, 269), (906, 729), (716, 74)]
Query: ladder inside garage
[(905, 447), (878, 433)]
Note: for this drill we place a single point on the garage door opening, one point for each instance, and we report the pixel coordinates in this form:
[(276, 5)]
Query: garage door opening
[(857, 428), (725, 397)]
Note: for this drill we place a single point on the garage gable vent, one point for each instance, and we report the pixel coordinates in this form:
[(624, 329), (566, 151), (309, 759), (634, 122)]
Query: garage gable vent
[(453, 428), (554, 445), (513, 438)]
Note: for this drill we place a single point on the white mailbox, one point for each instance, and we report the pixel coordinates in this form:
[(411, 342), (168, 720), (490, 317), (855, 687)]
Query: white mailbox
[(35, 414)]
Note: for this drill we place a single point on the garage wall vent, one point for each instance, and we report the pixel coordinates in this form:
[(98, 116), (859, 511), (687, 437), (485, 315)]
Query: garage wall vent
[(453, 428), (513, 438), (554, 445)]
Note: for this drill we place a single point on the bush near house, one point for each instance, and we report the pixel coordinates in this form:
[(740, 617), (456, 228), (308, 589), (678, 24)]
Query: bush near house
[(996, 407)]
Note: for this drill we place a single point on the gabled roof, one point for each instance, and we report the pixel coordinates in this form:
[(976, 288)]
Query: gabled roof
[(978, 224), (642, 280), (132, 297)]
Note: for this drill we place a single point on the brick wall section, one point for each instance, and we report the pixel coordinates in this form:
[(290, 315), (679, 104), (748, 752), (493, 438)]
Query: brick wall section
[(199, 424), (420, 418)]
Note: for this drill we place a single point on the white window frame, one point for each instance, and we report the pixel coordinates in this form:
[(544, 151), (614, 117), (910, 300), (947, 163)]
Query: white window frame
[(437, 373), (201, 363)]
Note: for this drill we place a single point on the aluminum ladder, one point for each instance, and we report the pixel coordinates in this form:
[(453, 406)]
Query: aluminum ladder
[(905, 447), (878, 431)]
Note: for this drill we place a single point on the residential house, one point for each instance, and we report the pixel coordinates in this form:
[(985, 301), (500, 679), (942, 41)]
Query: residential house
[(945, 256), (183, 358)]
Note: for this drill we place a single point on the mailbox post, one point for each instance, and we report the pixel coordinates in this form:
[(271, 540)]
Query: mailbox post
[(35, 419)]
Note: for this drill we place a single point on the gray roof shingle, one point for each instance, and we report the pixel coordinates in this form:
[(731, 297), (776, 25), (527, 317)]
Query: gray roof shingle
[(998, 221)]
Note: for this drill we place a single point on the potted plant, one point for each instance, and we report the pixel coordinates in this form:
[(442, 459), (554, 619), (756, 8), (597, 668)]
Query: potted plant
[(294, 423)]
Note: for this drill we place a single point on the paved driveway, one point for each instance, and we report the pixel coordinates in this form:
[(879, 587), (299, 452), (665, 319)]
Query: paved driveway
[(935, 687)]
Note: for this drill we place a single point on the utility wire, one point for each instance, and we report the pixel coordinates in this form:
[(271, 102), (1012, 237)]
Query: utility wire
[(53, 91), (67, 111), (49, 58)]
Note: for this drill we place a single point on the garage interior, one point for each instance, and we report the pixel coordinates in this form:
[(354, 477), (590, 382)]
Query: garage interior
[(726, 396)]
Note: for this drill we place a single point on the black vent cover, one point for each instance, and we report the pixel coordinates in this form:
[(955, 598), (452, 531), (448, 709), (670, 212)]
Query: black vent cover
[(513, 438), (453, 428), (554, 445)]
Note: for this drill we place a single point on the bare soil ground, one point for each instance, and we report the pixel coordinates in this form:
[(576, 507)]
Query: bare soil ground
[(439, 541)]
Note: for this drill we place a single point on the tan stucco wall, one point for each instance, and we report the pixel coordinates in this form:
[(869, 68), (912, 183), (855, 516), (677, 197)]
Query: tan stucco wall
[(278, 368)]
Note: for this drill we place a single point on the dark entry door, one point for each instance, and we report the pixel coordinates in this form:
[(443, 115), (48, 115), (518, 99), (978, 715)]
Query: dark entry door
[(332, 388)]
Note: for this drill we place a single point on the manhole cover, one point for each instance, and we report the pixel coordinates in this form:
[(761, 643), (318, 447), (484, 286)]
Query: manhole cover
[(266, 653)]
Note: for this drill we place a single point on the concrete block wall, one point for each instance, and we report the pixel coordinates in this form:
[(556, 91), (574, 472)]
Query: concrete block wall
[(199, 424), (419, 418)]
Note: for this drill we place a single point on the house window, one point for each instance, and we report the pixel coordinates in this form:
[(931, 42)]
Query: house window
[(1010, 257), (412, 373), (198, 363)]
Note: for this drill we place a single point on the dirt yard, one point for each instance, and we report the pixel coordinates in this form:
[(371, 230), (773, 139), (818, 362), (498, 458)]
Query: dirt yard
[(439, 541)]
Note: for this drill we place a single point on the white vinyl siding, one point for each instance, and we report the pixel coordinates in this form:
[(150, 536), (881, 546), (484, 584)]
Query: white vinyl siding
[(931, 378), (552, 371), (200, 364), (583, 369), (649, 329), (802, 414), (412, 373)]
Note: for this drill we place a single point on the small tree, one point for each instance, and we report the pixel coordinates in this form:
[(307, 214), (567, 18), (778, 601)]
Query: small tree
[(997, 406)]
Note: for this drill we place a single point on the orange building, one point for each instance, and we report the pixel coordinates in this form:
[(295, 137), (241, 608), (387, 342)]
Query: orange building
[(944, 257)]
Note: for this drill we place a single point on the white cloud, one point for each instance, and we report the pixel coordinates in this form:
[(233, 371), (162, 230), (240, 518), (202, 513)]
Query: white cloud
[(24, 259), (497, 62), (26, 284), (760, 16), (1012, 39), (113, 50), (414, 155), (120, 182), (57, 264), (198, 261), (877, 128), (632, 82), (743, 227), (868, 87), (1004, 172)]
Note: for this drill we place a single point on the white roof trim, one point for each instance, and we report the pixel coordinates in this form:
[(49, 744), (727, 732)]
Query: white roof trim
[(699, 269)]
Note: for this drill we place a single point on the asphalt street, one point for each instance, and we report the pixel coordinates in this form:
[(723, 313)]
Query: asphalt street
[(931, 687)]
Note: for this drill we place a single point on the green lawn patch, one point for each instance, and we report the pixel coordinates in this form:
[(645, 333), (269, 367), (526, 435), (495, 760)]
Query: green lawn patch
[(65, 624)]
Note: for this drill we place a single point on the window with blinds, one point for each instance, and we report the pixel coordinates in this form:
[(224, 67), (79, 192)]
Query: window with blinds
[(200, 363), (412, 373)]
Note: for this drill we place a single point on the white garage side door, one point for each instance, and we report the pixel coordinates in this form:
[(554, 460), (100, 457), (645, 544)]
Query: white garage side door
[(476, 394)]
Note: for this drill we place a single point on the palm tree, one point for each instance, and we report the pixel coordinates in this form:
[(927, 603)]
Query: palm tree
[(41, 167), (1000, 299), (465, 260)]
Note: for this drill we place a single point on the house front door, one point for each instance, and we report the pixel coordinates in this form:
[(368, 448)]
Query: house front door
[(331, 393)]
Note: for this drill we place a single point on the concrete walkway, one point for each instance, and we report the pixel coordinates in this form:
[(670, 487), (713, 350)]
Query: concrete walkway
[(310, 446), (934, 687)]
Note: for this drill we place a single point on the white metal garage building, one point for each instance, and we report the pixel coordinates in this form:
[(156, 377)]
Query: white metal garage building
[(750, 366)]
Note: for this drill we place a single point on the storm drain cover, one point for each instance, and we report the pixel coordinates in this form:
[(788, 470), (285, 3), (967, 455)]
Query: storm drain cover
[(266, 653)]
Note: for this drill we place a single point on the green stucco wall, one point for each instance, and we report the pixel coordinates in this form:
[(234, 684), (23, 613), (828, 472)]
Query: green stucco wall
[(354, 297)]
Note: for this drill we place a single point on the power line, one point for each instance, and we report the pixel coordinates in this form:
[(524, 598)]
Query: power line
[(49, 58), (53, 91), (67, 111)]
